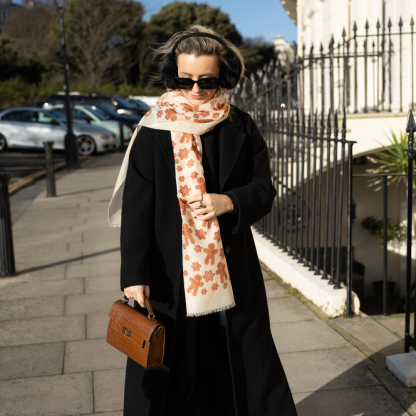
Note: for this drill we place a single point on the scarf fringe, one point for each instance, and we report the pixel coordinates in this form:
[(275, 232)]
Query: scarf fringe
[(212, 311), (114, 225)]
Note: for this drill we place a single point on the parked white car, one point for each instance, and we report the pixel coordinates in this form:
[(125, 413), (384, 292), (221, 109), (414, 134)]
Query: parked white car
[(83, 115), (28, 127)]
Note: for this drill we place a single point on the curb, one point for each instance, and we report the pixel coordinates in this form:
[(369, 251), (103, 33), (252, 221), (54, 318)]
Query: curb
[(404, 396), (38, 174)]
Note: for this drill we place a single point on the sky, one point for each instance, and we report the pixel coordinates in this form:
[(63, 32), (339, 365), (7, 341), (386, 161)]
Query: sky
[(252, 18)]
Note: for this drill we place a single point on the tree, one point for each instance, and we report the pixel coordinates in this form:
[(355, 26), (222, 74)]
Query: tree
[(258, 52), (26, 32), (99, 32), (176, 17), (99, 37)]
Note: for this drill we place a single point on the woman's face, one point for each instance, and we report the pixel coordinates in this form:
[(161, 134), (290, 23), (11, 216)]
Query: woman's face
[(197, 67)]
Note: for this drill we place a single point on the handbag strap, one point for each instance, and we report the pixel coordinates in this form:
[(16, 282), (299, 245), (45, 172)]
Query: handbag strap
[(150, 313)]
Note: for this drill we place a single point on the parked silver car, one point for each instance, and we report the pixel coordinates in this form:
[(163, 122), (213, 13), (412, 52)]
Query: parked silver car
[(28, 127)]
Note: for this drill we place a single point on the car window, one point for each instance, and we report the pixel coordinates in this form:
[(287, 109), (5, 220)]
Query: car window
[(107, 103), (58, 114), (101, 112), (141, 105), (19, 115), (122, 103), (41, 117), (79, 114), (97, 113)]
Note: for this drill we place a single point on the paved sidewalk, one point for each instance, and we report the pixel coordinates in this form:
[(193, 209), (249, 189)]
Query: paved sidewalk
[(54, 359)]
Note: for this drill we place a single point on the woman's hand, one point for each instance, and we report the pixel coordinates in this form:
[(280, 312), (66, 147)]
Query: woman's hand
[(136, 292), (215, 204)]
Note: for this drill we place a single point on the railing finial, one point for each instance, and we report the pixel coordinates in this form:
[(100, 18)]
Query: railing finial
[(328, 124), (389, 24), (412, 22), (367, 26), (354, 28), (378, 24), (410, 125), (400, 22), (336, 120)]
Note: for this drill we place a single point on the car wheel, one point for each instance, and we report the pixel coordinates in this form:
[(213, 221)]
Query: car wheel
[(3, 143), (86, 145)]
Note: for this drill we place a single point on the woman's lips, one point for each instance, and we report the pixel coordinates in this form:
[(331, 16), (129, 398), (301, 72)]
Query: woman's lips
[(196, 97)]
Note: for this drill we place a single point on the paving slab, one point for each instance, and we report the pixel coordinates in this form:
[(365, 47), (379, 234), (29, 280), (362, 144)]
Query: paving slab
[(25, 236), (104, 268), (48, 273), (97, 324), (338, 368), (108, 390), (102, 284), (91, 355), (30, 261), (305, 336), (274, 289), (47, 396), (372, 333), (105, 244), (100, 256), (31, 360), (41, 330), (363, 401), (397, 324), (92, 303), (32, 308), (42, 288), (102, 233), (288, 310)]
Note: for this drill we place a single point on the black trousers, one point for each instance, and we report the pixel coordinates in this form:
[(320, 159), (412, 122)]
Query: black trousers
[(200, 379)]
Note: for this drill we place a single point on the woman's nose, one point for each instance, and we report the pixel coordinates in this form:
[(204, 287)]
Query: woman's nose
[(196, 88)]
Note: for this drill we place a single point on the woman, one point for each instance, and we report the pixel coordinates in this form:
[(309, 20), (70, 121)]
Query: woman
[(195, 178)]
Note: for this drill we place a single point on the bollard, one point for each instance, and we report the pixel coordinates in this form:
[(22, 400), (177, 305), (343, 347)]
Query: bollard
[(50, 172), (7, 265), (121, 148)]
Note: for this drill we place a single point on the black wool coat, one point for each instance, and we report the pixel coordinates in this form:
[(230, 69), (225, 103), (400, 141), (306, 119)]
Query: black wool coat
[(151, 253)]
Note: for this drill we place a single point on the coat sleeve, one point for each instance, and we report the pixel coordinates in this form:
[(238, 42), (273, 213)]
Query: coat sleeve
[(255, 197), (137, 214)]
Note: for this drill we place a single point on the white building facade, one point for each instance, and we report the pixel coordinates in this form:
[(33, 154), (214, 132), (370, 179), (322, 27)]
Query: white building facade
[(375, 81)]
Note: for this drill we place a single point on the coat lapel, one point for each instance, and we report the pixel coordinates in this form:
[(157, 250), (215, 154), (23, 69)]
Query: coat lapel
[(231, 140)]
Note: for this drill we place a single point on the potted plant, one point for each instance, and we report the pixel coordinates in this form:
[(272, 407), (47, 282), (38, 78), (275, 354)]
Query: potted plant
[(396, 233)]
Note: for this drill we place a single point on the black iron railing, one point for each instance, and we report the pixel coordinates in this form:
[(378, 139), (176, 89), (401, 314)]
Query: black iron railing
[(371, 71), (311, 167), (411, 130)]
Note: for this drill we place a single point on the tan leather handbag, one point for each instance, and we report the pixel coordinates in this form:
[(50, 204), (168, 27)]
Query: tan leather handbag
[(140, 337)]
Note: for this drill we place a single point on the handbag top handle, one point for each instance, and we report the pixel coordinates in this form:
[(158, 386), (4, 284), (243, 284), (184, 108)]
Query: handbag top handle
[(150, 313)]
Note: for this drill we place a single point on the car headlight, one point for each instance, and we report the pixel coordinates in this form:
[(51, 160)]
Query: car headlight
[(105, 136)]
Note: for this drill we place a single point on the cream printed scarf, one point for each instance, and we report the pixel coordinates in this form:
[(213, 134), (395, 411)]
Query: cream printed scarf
[(205, 273)]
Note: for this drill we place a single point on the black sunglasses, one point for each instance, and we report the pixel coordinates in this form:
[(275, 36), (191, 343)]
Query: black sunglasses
[(204, 83)]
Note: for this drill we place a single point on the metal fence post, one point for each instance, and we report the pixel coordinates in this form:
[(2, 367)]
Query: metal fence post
[(50, 172), (410, 129), (7, 264), (121, 147)]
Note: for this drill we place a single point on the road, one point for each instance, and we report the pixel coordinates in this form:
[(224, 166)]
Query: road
[(24, 162)]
